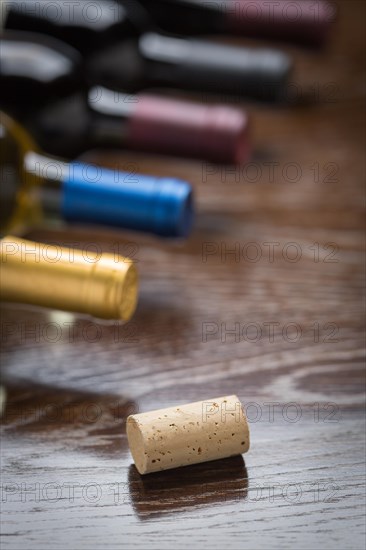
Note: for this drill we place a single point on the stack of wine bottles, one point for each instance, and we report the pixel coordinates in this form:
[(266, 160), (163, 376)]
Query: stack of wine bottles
[(76, 75)]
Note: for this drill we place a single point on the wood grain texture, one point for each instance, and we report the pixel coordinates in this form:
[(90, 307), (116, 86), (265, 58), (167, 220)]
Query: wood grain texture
[(294, 356)]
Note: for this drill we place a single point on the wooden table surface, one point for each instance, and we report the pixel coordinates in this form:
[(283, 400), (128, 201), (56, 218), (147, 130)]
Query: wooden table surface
[(264, 300)]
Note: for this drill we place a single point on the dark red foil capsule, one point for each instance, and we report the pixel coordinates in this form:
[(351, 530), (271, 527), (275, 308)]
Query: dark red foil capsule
[(211, 132)]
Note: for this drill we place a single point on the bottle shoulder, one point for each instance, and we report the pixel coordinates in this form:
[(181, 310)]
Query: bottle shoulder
[(85, 25), (33, 69)]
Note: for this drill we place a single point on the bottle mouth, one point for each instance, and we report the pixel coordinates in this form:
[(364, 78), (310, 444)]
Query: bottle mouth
[(243, 150), (229, 135), (129, 294), (187, 216), (174, 211), (111, 290), (298, 23)]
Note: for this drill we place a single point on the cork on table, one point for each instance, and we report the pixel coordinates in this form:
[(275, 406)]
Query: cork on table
[(264, 301)]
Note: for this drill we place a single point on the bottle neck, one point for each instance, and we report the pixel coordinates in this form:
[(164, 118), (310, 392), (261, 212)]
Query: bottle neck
[(86, 193), (298, 21), (63, 278), (84, 121), (31, 183), (186, 63), (111, 112), (187, 16), (49, 174)]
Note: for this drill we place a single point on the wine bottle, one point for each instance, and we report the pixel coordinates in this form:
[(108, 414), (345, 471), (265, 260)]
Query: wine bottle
[(30, 68), (304, 22), (64, 278), (122, 52), (144, 123), (76, 192)]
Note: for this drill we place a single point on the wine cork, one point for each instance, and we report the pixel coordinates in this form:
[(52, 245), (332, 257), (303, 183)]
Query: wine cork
[(188, 434)]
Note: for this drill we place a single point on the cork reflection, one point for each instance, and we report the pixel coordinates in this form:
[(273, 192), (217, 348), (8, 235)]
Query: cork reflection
[(210, 483), (92, 422)]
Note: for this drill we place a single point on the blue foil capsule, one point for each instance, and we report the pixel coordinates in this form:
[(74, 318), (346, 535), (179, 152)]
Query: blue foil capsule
[(163, 206)]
